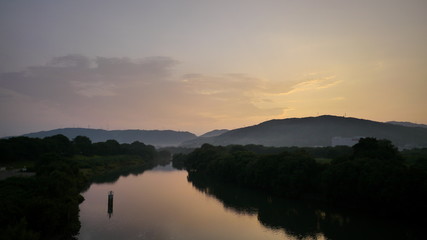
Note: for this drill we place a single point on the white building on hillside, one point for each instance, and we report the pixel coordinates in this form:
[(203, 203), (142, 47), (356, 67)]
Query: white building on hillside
[(345, 141)]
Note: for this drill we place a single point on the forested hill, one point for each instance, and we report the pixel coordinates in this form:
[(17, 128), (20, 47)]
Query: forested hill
[(152, 137), (316, 131)]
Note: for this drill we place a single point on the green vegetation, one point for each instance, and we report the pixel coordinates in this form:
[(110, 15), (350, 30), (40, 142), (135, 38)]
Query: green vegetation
[(46, 206), (373, 176)]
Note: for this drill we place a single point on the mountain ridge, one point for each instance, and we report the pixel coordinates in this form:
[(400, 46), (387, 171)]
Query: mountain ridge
[(158, 138), (214, 133), (316, 131), (301, 132)]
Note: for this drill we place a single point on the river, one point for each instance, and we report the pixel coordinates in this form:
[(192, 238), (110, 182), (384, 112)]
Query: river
[(165, 203)]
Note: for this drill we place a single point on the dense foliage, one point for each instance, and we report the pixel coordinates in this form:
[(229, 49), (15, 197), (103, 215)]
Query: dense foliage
[(373, 176), (31, 149), (46, 206)]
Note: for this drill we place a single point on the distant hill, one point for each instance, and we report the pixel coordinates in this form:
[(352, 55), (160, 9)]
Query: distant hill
[(408, 124), (214, 133), (159, 138), (316, 131)]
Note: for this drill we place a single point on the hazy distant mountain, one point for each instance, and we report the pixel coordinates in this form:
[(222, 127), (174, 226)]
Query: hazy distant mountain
[(214, 133), (408, 124), (316, 131), (153, 137)]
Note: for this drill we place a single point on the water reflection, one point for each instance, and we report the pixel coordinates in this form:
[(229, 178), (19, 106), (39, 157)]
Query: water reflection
[(163, 203), (299, 219), (113, 176)]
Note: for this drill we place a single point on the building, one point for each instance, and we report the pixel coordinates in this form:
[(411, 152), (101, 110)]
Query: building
[(345, 141)]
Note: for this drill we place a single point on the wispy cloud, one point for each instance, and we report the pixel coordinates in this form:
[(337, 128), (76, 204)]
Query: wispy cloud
[(94, 89), (66, 78), (144, 93), (313, 83)]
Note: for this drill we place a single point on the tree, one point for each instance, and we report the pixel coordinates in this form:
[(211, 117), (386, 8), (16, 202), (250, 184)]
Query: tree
[(20, 148), (59, 144), (110, 147), (82, 145), (378, 149)]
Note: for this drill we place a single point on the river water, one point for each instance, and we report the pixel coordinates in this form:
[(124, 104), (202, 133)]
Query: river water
[(164, 203)]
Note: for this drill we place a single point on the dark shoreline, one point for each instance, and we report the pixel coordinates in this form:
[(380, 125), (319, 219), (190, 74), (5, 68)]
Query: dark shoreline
[(15, 173)]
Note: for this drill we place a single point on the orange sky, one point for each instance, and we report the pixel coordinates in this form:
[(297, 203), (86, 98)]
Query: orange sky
[(203, 65)]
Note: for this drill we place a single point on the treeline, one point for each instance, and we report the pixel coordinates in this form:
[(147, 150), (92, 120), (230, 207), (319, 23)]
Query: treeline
[(373, 176), (46, 206), (31, 149)]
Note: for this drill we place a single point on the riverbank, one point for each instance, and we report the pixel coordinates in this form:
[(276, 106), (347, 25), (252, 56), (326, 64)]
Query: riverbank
[(15, 173), (45, 205)]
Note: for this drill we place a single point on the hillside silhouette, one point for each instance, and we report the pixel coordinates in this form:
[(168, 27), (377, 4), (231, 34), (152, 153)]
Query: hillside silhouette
[(152, 137), (316, 131)]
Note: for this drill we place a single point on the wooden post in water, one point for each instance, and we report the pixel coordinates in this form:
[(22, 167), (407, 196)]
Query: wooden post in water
[(110, 204)]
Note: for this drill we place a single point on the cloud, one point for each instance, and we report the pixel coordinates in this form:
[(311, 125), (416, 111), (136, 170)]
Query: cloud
[(222, 85), (150, 68), (68, 77), (143, 93), (71, 61), (94, 89), (312, 83), (77, 90), (232, 95)]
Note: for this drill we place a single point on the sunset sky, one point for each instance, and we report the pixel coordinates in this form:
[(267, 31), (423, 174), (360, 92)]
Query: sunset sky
[(202, 65)]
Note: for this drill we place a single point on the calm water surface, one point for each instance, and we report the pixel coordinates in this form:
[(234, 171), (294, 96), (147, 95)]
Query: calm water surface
[(164, 203)]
